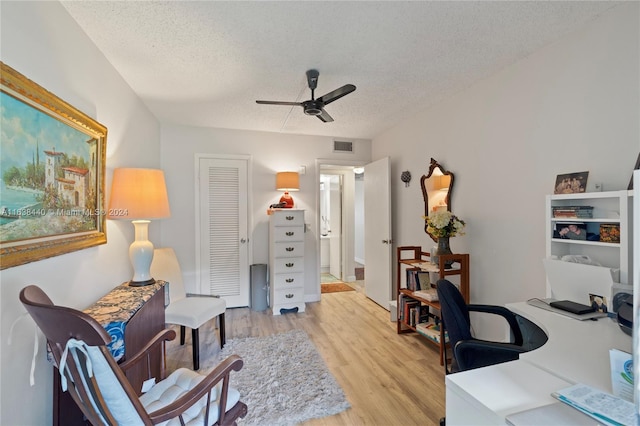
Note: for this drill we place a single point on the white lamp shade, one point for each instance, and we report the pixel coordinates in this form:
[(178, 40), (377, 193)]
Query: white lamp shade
[(138, 194)]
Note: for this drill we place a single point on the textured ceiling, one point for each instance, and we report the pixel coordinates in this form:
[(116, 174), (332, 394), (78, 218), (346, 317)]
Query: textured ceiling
[(204, 63)]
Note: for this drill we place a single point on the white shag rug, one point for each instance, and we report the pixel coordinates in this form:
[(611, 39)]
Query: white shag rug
[(284, 380)]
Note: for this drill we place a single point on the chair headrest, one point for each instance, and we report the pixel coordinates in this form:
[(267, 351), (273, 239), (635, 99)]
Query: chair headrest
[(59, 323)]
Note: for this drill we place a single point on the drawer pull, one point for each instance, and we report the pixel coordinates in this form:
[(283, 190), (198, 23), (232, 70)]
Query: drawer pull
[(289, 280), (290, 233), (290, 217), (289, 265), (289, 248), (289, 296)]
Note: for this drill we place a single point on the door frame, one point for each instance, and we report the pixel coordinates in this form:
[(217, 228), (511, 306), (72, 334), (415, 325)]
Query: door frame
[(320, 162)]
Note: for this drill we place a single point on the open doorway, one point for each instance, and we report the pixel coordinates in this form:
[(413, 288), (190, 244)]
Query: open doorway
[(341, 216)]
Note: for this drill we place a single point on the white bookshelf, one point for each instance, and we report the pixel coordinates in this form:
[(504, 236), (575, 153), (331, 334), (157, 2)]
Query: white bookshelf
[(610, 207)]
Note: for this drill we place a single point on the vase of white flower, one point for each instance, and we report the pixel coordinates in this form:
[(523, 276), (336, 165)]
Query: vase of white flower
[(442, 225)]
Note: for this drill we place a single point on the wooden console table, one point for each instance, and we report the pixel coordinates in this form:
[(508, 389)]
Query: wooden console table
[(132, 316)]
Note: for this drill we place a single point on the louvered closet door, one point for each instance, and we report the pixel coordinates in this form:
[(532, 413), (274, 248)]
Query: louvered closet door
[(222, 234)]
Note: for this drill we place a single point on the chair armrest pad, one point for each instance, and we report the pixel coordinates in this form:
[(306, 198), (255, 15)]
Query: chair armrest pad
[(506, 314), (480, 353), (491, 309)]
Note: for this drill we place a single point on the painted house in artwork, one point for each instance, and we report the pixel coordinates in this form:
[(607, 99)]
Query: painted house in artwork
[(75, 186)]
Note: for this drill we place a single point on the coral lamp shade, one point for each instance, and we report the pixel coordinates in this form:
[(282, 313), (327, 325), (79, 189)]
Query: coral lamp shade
[(138, 194), (287, 181)]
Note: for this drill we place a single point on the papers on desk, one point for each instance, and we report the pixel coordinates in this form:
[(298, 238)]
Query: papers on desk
[(602, 406), (621, 374)]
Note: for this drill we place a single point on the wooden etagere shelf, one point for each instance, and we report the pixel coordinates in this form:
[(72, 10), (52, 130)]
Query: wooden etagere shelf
[(413, 257)]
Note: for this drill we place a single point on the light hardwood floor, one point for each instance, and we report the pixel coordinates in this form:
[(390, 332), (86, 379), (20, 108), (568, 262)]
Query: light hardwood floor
[(389, 379)]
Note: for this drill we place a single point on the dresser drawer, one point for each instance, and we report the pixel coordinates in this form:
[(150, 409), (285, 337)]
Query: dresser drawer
[(293, 279), (288, 249), (288, 265), (288, 233), (285, 218), (288, 296)]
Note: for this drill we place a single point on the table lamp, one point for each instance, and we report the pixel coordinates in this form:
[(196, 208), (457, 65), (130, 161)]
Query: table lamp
[(287, 181), (139, 195)]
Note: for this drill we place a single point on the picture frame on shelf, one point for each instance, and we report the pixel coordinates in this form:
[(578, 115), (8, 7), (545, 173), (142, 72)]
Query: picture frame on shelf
[(598, 303), (570, 231), (571, 183), (52, 174)]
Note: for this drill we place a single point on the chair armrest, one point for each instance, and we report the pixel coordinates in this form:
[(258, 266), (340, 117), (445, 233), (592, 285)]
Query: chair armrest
[(162, 336), (506, 314), (180, 405), (471, 354)]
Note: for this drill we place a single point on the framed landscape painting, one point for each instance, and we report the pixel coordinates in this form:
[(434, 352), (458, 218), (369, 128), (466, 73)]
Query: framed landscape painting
[(51, 174)]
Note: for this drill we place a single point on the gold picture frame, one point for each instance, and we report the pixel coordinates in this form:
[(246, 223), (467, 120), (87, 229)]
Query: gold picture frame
[(52, 174)]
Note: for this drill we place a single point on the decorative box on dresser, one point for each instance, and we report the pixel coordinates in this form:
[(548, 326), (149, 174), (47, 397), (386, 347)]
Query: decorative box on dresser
[(286, 261)]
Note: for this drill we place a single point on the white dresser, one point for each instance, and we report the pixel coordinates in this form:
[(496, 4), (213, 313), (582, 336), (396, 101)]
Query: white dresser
[(286, 261)]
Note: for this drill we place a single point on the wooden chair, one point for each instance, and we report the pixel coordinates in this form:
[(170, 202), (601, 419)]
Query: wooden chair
[(99, 385)]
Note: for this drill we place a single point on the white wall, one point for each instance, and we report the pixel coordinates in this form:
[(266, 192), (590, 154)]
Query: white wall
[(271, 153), (572, 106), (41, 41)]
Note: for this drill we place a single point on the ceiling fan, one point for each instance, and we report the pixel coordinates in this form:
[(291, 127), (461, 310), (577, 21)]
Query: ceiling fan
[(316, 106)]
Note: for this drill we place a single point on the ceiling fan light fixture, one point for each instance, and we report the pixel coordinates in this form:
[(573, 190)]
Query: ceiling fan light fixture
[(313, 106)]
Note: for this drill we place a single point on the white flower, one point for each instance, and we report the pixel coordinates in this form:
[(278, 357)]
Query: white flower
[(443, 223)]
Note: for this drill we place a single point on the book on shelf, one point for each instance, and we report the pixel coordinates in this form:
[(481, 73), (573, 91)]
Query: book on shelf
[(430, 295), (431, 330), (582, 212), (417, 279), (423, 265), (412, 279), (411, 311)]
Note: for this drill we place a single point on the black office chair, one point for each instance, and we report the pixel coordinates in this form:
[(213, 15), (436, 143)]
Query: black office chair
[(469, 352)]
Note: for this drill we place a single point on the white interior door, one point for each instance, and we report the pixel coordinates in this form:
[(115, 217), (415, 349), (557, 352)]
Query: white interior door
[(377, 235), (335, 237), (222, 229)]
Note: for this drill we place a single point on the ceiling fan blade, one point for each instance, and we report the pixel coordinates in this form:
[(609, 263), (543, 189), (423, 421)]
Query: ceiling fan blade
[(337, 94), (324, 116), (279, 103)]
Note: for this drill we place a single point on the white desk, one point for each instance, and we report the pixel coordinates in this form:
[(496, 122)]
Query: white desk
[(576, 352)]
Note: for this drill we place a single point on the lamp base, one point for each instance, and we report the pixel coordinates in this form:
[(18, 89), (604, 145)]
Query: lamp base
[(287, 200), (141, 283)]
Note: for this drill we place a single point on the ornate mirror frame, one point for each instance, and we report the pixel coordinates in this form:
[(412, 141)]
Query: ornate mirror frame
[(437, 186)]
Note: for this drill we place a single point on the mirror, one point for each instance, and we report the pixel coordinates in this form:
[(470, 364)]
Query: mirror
[(436, 190)]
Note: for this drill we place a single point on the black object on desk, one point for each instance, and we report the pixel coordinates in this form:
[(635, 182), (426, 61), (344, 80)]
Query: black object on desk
[(571, 306)]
